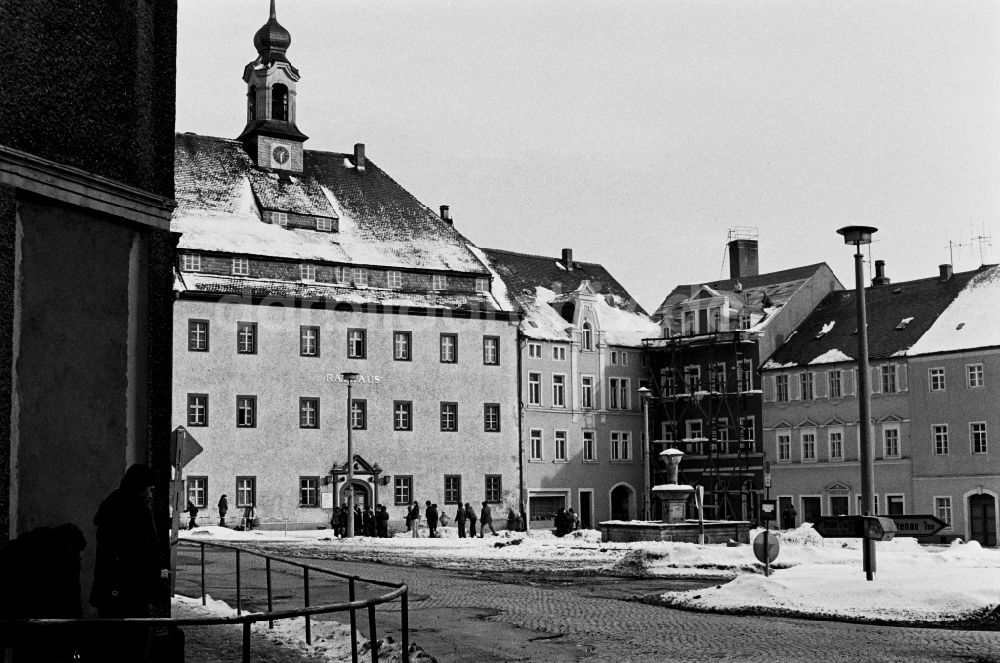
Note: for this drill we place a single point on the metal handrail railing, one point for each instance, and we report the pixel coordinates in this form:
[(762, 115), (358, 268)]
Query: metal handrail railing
[(399, 591)]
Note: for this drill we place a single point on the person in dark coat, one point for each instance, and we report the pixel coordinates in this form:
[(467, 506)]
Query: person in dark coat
[(413, 519), (223, 510), (460, 520), (382, 522), (129, 572), (470, 515), (369, 521), (486, 520), (192, 512), (562, 522), (432, 519), (359, 521), (342, 520)]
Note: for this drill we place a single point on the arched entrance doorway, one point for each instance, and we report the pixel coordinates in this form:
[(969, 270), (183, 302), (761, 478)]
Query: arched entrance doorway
[(362, 494), (983, 519), (621, 503)]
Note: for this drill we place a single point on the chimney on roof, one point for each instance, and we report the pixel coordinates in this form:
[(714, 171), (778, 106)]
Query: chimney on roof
[(743, 252), (880, 278), (446, 214), (359, 156), (567, 259), (945, 272)]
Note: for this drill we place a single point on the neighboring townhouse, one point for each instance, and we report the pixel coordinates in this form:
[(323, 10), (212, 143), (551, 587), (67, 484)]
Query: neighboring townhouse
[(811, 435), (298, 265), (705, 373), (955, 410), (581, 366)]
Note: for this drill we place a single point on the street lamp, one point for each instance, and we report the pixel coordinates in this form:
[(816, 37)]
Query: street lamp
[(645, 393), (350, 378), (858, 235)]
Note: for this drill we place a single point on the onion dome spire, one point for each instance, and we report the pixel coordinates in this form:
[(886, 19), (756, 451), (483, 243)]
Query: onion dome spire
[(272, 39)]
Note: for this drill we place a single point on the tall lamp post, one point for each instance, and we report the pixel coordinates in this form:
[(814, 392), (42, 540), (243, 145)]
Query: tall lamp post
[(858, 235), (350, 378), (645, 393)]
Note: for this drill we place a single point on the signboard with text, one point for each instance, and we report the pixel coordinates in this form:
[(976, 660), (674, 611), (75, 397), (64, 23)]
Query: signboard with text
[(917, 525)]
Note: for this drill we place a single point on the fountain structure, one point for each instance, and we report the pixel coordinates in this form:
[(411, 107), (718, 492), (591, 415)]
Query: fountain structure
[(675, 526)]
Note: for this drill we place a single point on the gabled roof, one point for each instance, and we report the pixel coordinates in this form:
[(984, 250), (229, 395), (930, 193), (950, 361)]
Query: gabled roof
[(771, 289), (220, 192), (922, 300), (970, 322)]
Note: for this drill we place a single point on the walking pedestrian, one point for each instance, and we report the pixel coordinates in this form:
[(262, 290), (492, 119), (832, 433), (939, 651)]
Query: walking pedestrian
[(414, 519), (223, 510), (192, 512), (432, 519), (486, 520), (470, 515), (511, 520), (129, 573), (460, 520), (382, 522)]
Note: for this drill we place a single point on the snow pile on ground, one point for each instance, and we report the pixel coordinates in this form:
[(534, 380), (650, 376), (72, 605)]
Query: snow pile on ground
[(812, 576)]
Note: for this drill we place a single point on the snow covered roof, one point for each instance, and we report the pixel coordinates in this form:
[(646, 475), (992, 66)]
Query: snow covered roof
[(543, 289), (972, 320), (922, 300), (220, 194)]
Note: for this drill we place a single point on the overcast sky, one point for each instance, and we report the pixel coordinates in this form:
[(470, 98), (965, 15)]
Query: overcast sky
[(638, 133)]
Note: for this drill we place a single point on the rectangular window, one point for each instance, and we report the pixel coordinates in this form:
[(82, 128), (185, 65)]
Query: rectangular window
[(614, 357), (890, 441), (534, 350), (279, 218), (307, 271), (402, 342), (861, 506), (324, 225), (308, 413), (309, 491), (895, 505), (940, 434), (974, 376), (717, 375), (887, 374), (449, 348), (309, 341), (559, 353), (942, 509), (748, 431), (198, 335), (623, 393), (621, 446), (359, 276), (491, 417), (693, 430), (806, 383), (341, 274), (246, 338), (491, 350), (624, 358), (534, 388), (357, 343), (935, 378), (808, 446), (198, 491), (835, 437), (560, 438), (449, 417), (618, 393), (394, 279), (781, 388), (191, 262), (452, 489), (359, 413), (246, 411), (558, 391), (836, 388), (482, 285), (587, 392), (667, 382), (241, 267), (246, 492), (588, 447), (535, 444), (439, 282), (402, 415), (494, 488), (402, 489), (784, 447), (613, 393), (722, 431), (977, 433), (197, 409), (692, 378)]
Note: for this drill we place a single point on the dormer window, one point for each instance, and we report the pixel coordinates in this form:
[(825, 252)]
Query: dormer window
[(689, 323), (482, 285), (439, 282), (252, 103), (324, 224), (241, 266), (279, 102), (279, 218), (359, 276), (745, 319), (191, 262), (307, 271), (394, 279), (588, 336)]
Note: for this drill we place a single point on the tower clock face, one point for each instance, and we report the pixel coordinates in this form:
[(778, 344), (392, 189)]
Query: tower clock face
[(280, 155)]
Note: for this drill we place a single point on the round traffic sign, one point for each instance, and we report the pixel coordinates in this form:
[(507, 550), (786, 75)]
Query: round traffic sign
[(766, 552)]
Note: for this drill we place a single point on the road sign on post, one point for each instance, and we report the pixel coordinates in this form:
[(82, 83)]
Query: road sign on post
[(917, 525), (765, 549), (870, 528)]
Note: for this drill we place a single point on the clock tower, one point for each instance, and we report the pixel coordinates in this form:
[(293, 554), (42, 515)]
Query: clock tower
[(270, 136)]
